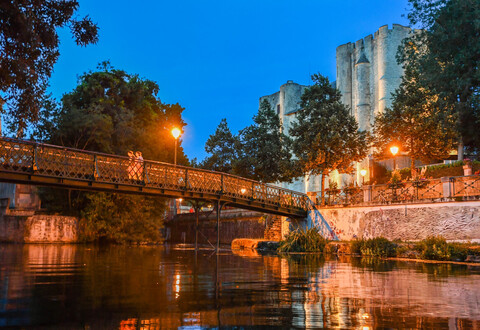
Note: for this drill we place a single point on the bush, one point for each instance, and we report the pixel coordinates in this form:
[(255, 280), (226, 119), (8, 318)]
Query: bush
[(437, 248), (378, 247), (303, 241)]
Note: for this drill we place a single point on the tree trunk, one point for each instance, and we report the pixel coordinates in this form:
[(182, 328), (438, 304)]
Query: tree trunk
[(460, 149), (413, 169)]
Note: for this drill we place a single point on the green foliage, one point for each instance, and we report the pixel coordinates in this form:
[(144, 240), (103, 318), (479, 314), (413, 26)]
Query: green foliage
[(264, 151), (122, 218), (437, 248), (29, 48), (376, 247), (416, 123), (445, 55), (326, 135), (223, 149), (113, 112), (309, 240)]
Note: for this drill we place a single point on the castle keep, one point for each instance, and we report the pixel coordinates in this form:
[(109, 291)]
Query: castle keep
[(367, 75)]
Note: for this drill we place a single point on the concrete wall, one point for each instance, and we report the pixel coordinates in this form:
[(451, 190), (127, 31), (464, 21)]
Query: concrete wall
[(453, 220), (38, 229)]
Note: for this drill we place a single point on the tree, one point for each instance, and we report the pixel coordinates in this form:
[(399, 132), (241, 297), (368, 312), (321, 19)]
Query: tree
[(223, 149), (29, 49), (326, 136), (113, 112), (448, 58), (265, 152), (422, 129)]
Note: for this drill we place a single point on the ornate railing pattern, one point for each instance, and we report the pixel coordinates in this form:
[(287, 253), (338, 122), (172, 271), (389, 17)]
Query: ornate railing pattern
[(66, 163), (467, 186)]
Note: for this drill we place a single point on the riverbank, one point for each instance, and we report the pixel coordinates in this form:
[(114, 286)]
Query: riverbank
[(430, 250)]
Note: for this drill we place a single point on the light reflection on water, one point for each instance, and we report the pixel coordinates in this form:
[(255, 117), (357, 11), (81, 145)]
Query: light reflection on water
[(73, 286)]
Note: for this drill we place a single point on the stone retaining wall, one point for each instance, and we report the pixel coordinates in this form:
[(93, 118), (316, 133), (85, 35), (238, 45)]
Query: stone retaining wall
[(453, 220), (38, 229)]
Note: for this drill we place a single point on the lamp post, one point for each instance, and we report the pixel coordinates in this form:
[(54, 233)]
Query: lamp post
[(176, 133), (363, 173), (394, 151)]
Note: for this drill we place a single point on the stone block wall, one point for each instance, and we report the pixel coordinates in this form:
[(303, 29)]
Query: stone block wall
[(38, 229), (452, 220)]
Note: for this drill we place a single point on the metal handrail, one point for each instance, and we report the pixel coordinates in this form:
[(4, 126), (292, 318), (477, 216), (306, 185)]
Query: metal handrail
[(63, 162)]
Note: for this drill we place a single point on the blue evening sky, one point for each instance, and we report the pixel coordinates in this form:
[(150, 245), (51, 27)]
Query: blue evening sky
[(216, 58)]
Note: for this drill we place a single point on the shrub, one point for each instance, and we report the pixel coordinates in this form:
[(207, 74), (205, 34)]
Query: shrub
[(356, 246), (434, 248), (378, 247), (309, 240)]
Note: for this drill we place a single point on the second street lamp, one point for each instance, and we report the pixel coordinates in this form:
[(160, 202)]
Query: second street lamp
[(363, 173), (394, 150), (176, 133)]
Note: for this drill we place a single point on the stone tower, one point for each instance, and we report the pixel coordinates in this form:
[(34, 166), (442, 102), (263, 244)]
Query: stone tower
[(368, 73)]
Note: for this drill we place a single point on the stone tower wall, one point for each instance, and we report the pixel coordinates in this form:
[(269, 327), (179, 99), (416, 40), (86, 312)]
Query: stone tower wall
[(367, 86)]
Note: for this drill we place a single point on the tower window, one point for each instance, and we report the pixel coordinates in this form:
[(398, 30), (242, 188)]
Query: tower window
[(278, 109)]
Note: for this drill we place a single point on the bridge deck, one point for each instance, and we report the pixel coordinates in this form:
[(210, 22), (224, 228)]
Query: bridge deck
[(48, 165)]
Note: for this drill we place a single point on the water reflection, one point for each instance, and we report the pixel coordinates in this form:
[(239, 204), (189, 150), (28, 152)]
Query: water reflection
[(149, 288)]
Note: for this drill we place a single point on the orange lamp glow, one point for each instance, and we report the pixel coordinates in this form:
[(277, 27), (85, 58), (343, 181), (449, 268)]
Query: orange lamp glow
[(176, 133), (363, 172), (394, 150)]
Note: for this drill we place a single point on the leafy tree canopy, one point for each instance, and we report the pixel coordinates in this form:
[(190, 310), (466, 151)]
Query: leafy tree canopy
[(416, 123), (326, 136), (447, 52), (29, 49), (112, 111), (265, 152)]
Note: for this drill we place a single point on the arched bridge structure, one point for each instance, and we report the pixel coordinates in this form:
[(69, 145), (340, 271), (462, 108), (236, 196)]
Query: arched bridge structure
[(48, 165)]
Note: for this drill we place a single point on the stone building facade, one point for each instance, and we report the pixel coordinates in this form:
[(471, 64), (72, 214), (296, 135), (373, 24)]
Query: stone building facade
[(367, 75)]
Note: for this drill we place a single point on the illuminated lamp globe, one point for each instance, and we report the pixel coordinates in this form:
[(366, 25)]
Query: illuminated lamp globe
[(394, 150), (176, 133)]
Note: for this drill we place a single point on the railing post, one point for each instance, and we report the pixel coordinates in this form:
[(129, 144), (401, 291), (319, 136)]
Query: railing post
[(448, 185), (95, 167), (253, 190), (186, 179), (221, 184), (367, 193), (145, 175), (34, 161)]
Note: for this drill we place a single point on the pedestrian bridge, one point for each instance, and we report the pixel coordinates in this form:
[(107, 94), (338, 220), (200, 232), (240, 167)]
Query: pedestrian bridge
[(48, 165)]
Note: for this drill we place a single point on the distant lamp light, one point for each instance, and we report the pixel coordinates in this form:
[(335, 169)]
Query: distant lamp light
[(394, 150), (176, 133), (180, 200), (363, 173), (243, 191)]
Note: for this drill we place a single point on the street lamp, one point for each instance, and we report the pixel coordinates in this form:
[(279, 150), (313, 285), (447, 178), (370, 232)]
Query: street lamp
[(394, 151), (363, 173), (176, 133)]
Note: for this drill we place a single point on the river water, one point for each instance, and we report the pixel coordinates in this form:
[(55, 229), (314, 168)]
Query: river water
[(75, 286)]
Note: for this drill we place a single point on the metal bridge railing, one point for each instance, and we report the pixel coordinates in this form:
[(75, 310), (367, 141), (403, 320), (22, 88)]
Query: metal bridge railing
[(17, 156)]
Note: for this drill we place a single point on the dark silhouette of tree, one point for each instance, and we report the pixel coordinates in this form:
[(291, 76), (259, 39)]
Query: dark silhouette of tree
[(446, 53), (29, 49), (222, 147), (264, 151)]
